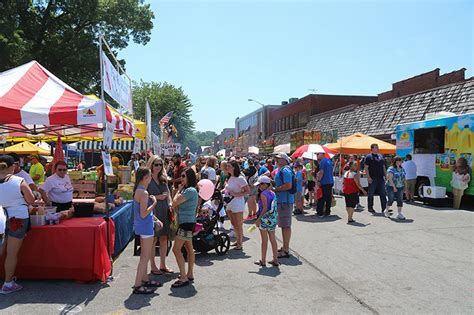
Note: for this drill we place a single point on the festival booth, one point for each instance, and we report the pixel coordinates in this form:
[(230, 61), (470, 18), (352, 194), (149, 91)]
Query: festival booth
[(36, 105), (358, 143)]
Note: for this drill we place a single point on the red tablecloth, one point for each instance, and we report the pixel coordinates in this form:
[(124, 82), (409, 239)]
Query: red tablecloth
[(75, 249)]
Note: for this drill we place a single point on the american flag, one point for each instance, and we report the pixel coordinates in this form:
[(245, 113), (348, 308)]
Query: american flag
[(166, 119)]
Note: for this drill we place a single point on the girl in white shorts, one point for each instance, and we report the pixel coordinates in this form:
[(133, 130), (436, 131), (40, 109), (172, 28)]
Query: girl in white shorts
[(238, 188)]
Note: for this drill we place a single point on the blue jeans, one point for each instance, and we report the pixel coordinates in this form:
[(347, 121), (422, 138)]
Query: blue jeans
[(377, 185), (392, 196)]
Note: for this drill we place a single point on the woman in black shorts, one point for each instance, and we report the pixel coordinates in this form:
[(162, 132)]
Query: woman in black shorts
[(351, 190)]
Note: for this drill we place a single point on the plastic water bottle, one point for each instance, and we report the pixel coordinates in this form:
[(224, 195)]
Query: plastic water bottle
[(252, 228)]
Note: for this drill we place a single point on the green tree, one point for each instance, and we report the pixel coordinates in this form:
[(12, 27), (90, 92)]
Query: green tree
[(63, 35), (164, 98), (197, 139)]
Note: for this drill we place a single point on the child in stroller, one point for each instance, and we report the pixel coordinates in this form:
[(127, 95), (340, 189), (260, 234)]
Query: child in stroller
[(208, 237)]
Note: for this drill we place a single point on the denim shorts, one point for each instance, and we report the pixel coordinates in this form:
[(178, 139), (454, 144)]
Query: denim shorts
[(21, 228)]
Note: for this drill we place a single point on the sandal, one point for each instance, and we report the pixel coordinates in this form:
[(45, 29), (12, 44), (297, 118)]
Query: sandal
[(274, 263), (283, 254), (238, 248), (156, 273), (260, 263), (142, 290), (190, 279), (179, 284), (166, 270), (152, 284), (234, 244)]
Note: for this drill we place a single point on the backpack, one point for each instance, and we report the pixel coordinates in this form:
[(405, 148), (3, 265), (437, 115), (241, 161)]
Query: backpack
[(292, 190)]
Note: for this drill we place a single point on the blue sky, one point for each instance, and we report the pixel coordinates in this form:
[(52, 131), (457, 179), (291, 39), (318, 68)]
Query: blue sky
[(225, 52)]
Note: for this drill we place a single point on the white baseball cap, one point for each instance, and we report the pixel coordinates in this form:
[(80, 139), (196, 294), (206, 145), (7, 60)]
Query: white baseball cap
[(262, 179)]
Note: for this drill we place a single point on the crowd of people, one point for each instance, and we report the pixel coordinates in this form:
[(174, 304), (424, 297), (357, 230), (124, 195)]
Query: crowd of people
[(166, 200)]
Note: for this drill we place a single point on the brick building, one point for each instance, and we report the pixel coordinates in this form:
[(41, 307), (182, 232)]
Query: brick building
[(252, 128), (296, 115), (409, 100), (222, 141)]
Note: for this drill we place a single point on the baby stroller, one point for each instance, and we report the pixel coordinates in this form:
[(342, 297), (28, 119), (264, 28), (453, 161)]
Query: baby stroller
[(210, 237)]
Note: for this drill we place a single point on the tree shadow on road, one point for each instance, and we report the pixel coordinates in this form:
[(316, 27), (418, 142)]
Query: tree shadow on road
[(138, 301), (69, 295)]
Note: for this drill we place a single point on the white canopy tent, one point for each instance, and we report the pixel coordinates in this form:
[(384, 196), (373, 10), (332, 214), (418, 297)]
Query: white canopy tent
[(282, 148)]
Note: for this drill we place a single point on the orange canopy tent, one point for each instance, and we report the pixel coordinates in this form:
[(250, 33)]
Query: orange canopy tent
[(359, 143)]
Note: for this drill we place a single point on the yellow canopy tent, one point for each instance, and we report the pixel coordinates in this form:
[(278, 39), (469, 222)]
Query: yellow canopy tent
[(359, 143), (25, 148)]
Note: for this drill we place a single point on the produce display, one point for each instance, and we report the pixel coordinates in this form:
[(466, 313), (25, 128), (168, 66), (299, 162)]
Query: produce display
[(126, 191)]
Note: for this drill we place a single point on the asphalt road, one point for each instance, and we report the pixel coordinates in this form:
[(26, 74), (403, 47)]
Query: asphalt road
[(423, 265)]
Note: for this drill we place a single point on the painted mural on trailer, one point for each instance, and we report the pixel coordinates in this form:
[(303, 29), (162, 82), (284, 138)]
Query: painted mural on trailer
[(444, 140)]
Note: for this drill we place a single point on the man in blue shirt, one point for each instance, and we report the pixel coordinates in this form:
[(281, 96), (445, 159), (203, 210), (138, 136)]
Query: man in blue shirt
[(374, 166), (285, 201), (262, 169), (325, 179)]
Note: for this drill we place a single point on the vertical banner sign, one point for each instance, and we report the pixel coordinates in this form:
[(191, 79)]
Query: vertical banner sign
[(108, 136), (136, 146), (107, 160), (156, 143), (148, 124), (115, 85)]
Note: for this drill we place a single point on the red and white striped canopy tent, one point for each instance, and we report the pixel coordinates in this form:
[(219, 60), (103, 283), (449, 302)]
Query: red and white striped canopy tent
[(34, 103)]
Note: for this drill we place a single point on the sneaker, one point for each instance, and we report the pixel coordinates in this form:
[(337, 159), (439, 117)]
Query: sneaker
[(400, 216), (371, 210), (232, 234), (297, 212), (11, 288), (360, 207), (386, 213)]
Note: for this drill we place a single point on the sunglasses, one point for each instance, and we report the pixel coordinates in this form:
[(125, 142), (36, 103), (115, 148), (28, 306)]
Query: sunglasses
[(158, 164), (61, 169)]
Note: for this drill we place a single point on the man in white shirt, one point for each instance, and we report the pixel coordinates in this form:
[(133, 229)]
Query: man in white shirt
[(410, 178), (21, 173)]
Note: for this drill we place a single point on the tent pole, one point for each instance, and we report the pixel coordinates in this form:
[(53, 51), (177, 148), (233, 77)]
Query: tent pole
[(107, 214)]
